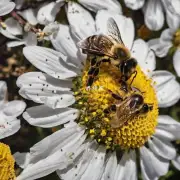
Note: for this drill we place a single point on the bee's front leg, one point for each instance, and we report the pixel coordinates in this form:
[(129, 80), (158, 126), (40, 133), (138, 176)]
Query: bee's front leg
[(115, 96)]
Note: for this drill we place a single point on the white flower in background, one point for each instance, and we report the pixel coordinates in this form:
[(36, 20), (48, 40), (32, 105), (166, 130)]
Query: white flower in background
[(154, 11), (13, 30), (6, 6), (47, 12), (9, 124), (78, 150), (169, 42)]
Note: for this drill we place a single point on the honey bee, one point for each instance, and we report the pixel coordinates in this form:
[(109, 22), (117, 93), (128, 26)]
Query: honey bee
[(108, 48), (125, 109)]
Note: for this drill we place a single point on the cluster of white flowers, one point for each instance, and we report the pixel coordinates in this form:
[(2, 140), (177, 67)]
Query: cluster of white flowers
[(69, 151)]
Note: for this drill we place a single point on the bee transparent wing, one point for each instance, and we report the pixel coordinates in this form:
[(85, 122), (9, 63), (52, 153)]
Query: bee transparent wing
[(123, 114), (113, 31), (97, 44)]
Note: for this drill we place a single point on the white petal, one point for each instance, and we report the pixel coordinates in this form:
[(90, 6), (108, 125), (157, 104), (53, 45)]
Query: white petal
[(13, 26), (7, 34), (47, 13), (9, 126), (162, 148), (167, 36), (41, 80), (153, 13), (134, 4), (173, 20), (125, 26), (14, 108), (6, 7), (29, 15), (61, 158), (167, 120), (56, 141), (80, 20), (42, 88), (52, 62), (139, 50), (152, 166), (168, 89), (15, 43), (81, 164), (163, 134), (22, 159), (176, 162), (64, 43), (3, 92), (160, 49), (176, 62), (95, 168), (145, 57), (51, 29), (30, 39), (169, 125), (110, 168), (46, 117), (127, 167), (173, 6), (94, 5)]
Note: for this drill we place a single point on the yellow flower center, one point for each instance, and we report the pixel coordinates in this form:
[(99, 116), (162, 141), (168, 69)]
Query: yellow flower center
[(6, 163), (92, 102)]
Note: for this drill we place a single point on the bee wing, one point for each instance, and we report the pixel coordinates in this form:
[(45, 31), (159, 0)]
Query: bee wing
[(97, 44), (113, 31), (123, 114)]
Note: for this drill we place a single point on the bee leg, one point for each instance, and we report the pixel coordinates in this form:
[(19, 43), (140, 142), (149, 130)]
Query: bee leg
[(115, 96), (124, 86), (92, 73), (110, 109), (90, 81), (93, 61), (135, 74)]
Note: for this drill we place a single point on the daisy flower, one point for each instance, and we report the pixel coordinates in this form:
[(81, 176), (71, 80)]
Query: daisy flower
[(154, 11), (88, 147), (169, 42), (9, 111)]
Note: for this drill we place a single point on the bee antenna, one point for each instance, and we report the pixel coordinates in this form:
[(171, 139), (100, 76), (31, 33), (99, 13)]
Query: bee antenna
[(135, 74)]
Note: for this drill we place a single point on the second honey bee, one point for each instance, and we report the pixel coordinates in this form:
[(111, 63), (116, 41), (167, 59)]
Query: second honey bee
[(125, 109), (108, 48)]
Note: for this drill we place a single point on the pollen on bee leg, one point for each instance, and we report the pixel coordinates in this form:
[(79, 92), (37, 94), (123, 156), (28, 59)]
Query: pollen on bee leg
[(134, 132)]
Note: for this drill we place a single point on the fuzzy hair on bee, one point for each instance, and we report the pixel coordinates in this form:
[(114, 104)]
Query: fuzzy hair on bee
[(109, 48)]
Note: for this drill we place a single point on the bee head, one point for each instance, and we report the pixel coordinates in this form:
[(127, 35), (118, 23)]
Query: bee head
[(132, 63)]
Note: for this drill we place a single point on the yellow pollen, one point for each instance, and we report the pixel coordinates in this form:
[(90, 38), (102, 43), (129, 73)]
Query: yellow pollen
[(91, 131), (6, 163), (134, 132), (103, 132)]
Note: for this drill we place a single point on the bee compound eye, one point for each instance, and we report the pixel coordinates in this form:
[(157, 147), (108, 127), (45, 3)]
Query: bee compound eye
[(136, 101), (145, 108)]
